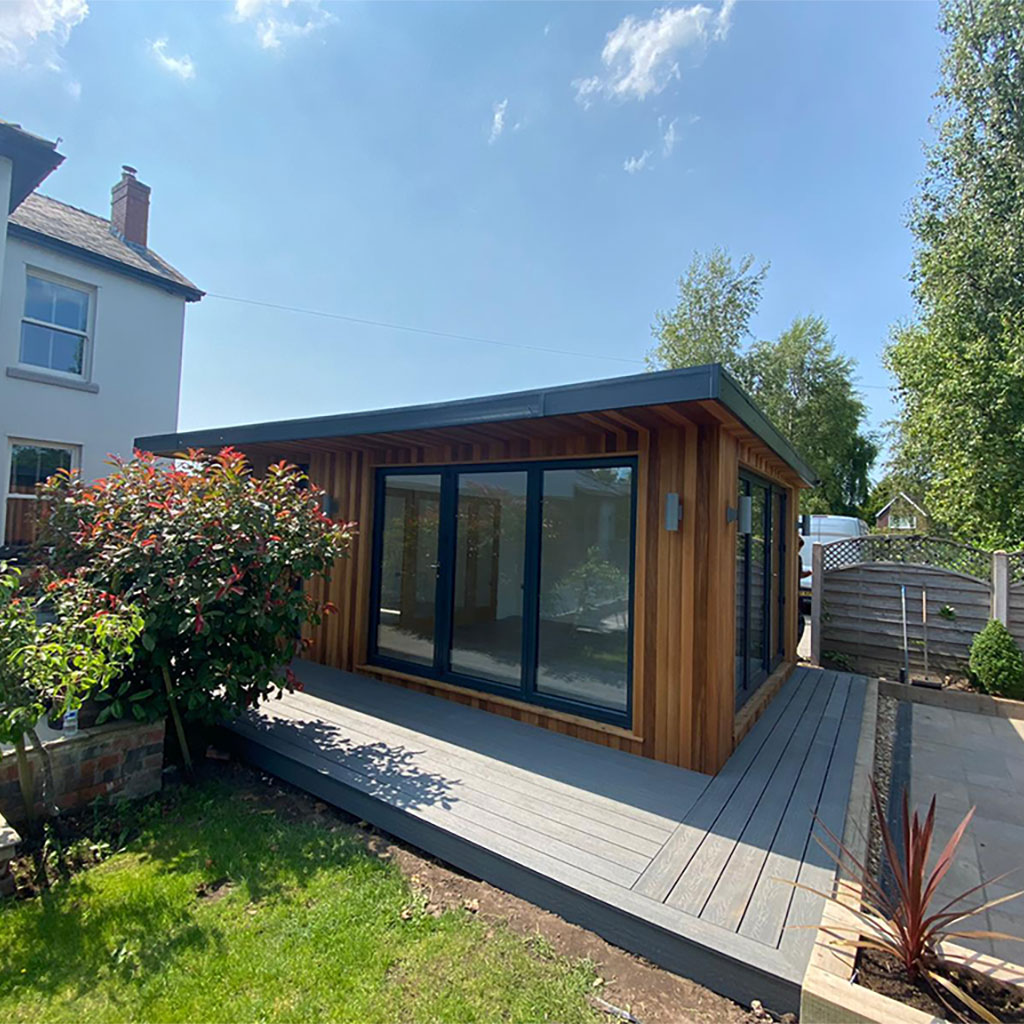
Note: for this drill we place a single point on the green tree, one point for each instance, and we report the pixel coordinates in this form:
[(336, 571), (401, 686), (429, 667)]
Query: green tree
[(711, 321), (799, 380), (805, 387), (959, 366)]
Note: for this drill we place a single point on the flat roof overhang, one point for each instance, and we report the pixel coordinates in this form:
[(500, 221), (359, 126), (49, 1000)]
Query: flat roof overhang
[(664, 387)]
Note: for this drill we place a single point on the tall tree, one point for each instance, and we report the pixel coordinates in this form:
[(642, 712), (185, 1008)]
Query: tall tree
[(799, 380), (806, 388), (959, 366), (711, 321)]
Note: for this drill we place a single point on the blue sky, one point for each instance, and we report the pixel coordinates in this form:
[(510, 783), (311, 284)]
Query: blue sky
[(532, 173)]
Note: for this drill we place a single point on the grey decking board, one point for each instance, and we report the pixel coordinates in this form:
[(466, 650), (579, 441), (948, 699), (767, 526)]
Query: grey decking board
[(732, 884), (626, 775), (667, 866), (777, 987), (600, 809), (530, 857), (605, 842), (756, 890), (517, 854), (817, 868), (463, 817), (694, 885)]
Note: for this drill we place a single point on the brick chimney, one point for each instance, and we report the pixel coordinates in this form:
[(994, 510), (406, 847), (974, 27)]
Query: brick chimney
[(129, 208)]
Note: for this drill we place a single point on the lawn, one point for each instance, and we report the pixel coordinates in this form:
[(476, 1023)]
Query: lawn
[(223, 909)]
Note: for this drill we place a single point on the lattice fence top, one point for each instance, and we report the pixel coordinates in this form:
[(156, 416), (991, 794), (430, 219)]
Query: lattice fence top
[(1015, 564), (913, 550)]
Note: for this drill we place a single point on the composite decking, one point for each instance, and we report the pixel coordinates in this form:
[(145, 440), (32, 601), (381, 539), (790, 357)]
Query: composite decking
[(689, 870)]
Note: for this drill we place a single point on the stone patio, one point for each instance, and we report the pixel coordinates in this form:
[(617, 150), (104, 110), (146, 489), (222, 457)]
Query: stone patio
[(973, 760)]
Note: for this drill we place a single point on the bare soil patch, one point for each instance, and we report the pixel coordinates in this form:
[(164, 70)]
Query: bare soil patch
[(883, 974)]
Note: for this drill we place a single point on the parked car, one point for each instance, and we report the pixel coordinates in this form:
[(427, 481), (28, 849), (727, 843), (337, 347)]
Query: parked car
[(824, 529)]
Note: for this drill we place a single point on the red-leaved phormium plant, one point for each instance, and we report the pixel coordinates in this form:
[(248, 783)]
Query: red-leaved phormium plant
[(214, 558), (903, 920)]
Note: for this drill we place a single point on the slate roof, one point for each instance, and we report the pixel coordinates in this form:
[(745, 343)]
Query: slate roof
[(57, 225)]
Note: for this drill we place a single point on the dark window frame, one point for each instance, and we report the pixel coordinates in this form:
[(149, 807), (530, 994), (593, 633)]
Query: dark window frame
[(444, 593), (746, 684)]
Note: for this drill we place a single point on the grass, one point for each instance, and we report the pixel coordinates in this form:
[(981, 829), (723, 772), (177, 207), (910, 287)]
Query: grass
[(310, 927)]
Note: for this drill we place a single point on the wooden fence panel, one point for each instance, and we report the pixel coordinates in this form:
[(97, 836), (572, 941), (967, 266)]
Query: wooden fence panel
[(861, 616)]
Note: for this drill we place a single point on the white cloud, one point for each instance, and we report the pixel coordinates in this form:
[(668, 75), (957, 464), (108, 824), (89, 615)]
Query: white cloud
[(279, 20), (640, 58), (180, 66), (498, 121), (669, 136), (637, 163), (32, 32)]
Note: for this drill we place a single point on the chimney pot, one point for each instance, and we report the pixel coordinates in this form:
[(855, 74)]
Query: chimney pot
[(129, 208)]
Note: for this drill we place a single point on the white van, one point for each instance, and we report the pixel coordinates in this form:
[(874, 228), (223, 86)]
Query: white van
[(824, 529)]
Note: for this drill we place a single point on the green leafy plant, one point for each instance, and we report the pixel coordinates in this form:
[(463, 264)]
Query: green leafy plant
[(903, 923), (996, 662), (215, 558), (948, 612), (837, 660), (58, 644)]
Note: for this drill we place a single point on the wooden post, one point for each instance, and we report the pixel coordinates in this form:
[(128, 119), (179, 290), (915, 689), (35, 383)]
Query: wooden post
[(817, 583), (1000, 587)]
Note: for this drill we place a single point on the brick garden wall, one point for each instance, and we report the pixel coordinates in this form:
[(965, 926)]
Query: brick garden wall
[(120, 759)]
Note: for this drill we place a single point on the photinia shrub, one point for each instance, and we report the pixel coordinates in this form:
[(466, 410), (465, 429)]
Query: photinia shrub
[(214, 558)]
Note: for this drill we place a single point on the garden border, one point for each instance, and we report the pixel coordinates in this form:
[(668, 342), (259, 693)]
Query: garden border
[(829, 994), (954, 700)]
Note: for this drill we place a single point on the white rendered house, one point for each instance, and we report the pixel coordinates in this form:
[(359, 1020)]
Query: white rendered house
[(91, 330)]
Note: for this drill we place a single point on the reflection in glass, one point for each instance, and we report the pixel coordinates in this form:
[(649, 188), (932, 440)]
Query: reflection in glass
[(583, 638), (408, 572), (487, 610), (757, 595)]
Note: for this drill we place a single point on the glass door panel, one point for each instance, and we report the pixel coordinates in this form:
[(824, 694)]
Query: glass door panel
[(409, 565), (584, 606), (757, 586), (490, 555)]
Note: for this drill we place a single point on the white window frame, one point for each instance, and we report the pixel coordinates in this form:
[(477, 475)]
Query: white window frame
[(907, 521), (87, 335), (74, 450)]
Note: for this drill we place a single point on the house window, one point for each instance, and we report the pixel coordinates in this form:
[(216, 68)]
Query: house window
[(902, 522), (54, 328), (32, 463), (514, 579)]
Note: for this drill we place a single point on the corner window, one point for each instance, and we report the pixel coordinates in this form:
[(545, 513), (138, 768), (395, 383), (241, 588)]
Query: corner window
[(54, 327), (515, 579)]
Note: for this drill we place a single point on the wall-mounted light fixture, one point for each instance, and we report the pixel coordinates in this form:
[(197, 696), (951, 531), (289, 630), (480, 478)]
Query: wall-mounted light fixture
[(673, 511), (746, 514)]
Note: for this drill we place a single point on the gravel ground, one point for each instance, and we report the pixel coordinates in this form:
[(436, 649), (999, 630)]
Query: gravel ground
[(884, 736)]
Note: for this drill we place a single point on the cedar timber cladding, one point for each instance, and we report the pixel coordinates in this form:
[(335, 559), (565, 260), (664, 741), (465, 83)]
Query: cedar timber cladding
[(684, 607)]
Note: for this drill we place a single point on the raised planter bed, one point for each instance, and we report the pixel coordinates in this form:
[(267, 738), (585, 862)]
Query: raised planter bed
[(954, 700), (117, 759)]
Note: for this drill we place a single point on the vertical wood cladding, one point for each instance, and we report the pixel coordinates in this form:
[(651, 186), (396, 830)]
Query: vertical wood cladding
[(684, 606)]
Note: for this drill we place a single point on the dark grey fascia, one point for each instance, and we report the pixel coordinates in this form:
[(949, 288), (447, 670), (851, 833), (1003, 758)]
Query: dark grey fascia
[(692, 384)]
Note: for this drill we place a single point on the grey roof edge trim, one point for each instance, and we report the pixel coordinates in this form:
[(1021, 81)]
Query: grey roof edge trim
[(691, 384), (106, 262), (738, 402)]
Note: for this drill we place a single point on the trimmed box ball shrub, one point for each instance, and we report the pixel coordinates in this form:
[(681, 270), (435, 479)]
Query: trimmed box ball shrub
[(997, 663), (214, 558)]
